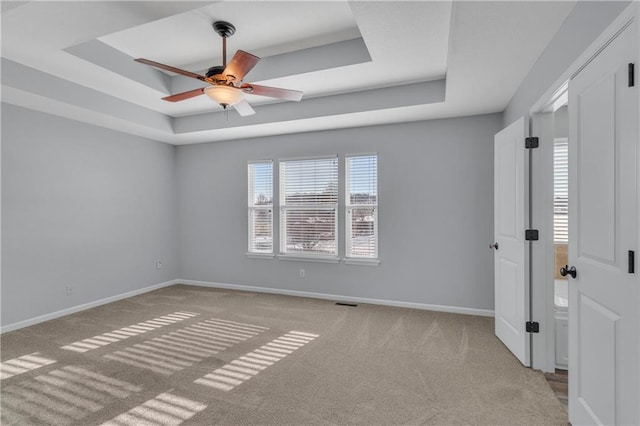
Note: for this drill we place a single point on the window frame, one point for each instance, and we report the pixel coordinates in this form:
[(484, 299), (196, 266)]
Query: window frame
[(283, 208), (252, 208), (348, 207)]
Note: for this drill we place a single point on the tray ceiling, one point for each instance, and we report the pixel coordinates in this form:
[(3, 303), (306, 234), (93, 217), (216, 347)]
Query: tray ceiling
[(358, 63)]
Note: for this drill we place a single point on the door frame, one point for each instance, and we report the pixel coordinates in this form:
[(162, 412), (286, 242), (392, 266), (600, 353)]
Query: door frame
[(541, 119)]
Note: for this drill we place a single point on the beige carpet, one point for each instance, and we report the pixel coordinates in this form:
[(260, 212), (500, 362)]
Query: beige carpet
[(192, 355)]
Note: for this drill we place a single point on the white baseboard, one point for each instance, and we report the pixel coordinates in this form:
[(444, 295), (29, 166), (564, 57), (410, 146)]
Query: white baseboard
[(74, 309), (297, 293)]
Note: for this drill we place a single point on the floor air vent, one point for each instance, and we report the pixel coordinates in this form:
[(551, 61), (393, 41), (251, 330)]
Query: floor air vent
[(353, 305)]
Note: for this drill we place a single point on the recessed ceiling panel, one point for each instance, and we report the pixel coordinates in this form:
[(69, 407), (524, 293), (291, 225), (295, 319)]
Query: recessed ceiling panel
[(406, 35), (262, 28)]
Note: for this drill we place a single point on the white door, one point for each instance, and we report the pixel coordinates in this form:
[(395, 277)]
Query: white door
[(603, 297), (511, 293)]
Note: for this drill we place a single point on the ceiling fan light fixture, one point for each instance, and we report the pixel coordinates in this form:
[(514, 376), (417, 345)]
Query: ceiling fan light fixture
[(226, 87), (224, 95)]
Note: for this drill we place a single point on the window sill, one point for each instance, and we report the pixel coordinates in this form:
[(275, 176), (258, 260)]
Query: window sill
[(260, 255), (362, 262), (317, 259)]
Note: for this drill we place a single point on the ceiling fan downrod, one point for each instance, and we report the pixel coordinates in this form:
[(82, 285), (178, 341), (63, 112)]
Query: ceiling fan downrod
[(224, 29)]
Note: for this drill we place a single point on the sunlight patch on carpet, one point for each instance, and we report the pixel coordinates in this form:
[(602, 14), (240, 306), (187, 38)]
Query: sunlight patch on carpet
[(23, 364), (126, 332), (182, 348), (245, 367), (61, 397), (165, 409)]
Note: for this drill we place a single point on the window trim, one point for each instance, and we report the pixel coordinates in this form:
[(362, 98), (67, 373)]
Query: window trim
[(317, 258), (252, 208), (348, 207), (282, 208), (361, 261), (265, 256)]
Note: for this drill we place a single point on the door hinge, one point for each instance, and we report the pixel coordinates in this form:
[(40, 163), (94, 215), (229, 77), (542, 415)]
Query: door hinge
[(531, 235), (532, 327), (632, 74), (531, 142)]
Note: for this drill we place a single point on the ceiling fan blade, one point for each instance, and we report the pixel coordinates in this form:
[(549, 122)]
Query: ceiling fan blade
[(172, 69), (184, 95), (241, 63), (244, 108), (273, 92)]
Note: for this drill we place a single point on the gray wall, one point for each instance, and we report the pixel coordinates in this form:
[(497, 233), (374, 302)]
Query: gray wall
[(435, 213), (583, 25), (81, 206)]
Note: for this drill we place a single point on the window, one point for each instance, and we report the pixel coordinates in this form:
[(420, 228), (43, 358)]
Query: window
[(260, 207), (309, 207), (561, 191), (361, 206)]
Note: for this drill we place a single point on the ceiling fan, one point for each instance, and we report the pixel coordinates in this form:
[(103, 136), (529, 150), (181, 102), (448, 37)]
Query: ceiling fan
[(226, 86)]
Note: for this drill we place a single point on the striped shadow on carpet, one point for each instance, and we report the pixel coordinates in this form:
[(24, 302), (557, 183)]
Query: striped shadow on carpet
[(165, 409), (242, 369), (126, 332), (23, 364), (202, 356), (182, 348), (61, 397)]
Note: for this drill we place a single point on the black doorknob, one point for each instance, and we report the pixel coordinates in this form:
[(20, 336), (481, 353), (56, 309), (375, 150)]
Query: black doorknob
[(565, 270), (493, 246)]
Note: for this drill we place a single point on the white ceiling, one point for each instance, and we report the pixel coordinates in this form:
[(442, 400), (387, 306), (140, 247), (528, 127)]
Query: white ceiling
[(358, 62)]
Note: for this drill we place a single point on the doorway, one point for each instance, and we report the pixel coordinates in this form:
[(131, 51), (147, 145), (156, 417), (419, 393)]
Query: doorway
[(601, 228), (561, 235)]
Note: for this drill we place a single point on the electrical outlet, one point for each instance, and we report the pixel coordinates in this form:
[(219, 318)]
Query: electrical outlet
[(302, 273), (158, 265), (68, 290)]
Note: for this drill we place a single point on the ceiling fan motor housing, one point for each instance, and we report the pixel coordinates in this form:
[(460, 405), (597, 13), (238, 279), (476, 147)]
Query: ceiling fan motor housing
[(213, 71)]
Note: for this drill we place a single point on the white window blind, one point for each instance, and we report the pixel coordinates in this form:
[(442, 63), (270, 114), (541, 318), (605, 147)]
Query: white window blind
[(561, 191), (309, 206), (260, 207), (362, 206)]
